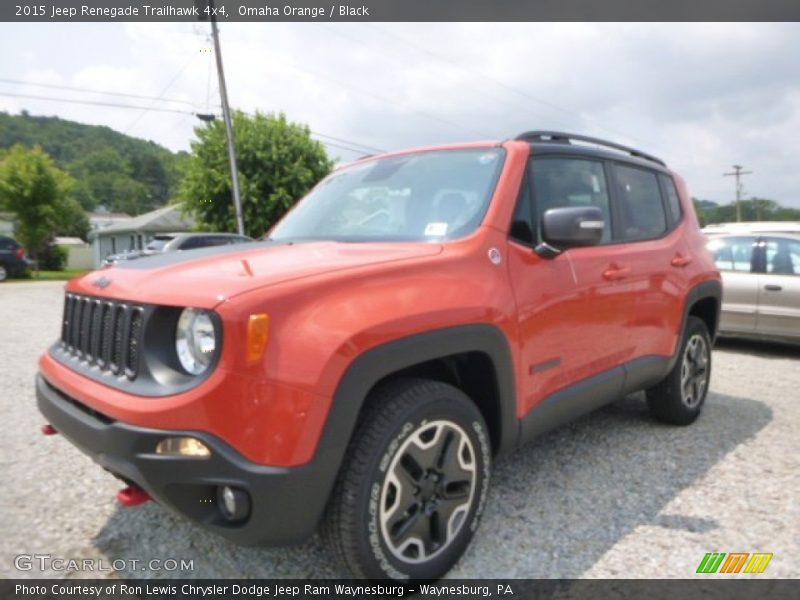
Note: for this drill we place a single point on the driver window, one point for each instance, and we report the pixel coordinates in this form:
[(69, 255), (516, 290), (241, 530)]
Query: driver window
[(564, 182)]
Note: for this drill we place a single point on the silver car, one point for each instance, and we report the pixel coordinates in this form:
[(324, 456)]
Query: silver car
[(761, 283)]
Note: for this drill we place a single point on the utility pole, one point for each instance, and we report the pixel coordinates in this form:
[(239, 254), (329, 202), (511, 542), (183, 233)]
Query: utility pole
[(737, 172), (226, 112)]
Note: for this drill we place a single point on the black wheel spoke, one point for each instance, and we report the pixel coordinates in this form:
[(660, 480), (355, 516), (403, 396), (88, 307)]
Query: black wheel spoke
[(410, 469), (438, 531), (410, 523), (456, 490), (446, 450)]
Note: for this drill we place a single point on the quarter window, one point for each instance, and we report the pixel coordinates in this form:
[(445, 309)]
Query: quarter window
[(733, 253), (561, 182), (640, 206), (673, 201)]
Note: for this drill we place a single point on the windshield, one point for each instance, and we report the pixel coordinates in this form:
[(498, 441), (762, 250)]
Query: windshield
[(413, 197)]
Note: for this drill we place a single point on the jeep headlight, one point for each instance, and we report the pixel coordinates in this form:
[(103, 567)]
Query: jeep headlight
[(195, 340)]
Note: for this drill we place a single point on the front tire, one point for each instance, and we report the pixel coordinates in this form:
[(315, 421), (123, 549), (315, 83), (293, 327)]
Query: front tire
[(679, 398), (413, 483)]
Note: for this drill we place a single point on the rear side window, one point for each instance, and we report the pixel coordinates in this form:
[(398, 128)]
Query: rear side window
[(783, 256), (641, 210), (193, 242), (733, 253), (7, 244), (561, 182), (673, 201)]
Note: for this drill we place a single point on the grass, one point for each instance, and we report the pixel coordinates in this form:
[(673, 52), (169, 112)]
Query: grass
[(64, 275)]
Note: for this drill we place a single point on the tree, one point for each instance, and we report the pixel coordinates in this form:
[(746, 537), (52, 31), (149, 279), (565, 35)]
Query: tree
[(38, 194), (70, 219), (754, 209), (103, 161), (105, 177), (278, 163)]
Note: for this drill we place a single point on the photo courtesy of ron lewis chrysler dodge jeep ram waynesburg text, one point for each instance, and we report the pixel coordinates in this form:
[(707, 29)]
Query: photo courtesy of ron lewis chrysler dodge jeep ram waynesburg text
[(415, 316)]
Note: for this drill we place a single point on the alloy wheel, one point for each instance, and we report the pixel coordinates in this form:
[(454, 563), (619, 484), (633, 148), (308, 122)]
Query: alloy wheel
[(428, 491), (694, 371)]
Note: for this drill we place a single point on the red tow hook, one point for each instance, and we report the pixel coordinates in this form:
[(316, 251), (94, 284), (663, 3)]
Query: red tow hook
[(132, 496), (48, 429)]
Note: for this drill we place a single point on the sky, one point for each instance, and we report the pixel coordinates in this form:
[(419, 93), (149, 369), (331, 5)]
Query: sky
[(700, 96)]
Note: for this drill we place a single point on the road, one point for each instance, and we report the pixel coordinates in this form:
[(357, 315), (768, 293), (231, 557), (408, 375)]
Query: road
[(612, 495)]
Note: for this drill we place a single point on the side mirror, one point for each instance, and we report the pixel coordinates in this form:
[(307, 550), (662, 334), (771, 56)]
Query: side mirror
[(570, 226)]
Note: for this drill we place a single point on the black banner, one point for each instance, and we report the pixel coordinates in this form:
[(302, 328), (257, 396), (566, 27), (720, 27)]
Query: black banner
[(399, 10), (706, 587)]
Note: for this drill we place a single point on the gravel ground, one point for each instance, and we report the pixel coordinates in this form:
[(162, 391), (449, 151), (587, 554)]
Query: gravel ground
[(612, 495)]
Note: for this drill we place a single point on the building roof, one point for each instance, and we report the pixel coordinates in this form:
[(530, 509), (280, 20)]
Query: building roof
[(165, 219), (68, 241), (104, 214)]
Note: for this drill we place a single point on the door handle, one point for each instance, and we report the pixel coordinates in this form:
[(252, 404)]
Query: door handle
[(680, 260), (614, 272), (771, 287)]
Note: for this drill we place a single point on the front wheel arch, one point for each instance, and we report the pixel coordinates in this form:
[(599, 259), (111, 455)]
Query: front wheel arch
[(382, 362)]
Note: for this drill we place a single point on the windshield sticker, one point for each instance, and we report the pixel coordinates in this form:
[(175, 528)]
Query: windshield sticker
[(487, 158), (436, 229)]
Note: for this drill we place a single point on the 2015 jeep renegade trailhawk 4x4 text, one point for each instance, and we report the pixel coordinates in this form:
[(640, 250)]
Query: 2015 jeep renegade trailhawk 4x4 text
[(416, 315)]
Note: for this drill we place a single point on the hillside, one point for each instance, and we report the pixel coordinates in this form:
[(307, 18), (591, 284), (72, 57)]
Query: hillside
[(112, 169)]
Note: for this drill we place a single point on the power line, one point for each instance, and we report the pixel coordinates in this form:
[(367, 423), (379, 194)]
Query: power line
[(382, 99), (91, 91), (97, 103), (362, 149), (337, 139), (481, 90), (497, 82), (160, 96), (341, 147)]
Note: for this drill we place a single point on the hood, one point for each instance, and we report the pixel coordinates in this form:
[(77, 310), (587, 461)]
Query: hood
[(205, 277)]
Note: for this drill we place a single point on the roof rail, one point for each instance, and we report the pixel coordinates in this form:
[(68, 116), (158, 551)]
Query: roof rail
[(560, 137)]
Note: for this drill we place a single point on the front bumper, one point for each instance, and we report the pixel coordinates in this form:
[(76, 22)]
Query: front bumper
[(287, 503)]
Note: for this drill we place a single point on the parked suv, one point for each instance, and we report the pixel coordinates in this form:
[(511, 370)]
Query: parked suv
[(172, 242), (761, 277), (416, 316), (12, 258)]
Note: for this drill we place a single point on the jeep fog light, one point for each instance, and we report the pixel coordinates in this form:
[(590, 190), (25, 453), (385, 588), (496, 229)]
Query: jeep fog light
[(183, 446), (234, 503)]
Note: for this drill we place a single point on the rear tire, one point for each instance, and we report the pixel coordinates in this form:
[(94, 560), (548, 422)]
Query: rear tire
[(679, 398), (3, 273), (413, 483)]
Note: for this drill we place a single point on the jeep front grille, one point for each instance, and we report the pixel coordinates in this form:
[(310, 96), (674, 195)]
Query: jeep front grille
[(104, 333)]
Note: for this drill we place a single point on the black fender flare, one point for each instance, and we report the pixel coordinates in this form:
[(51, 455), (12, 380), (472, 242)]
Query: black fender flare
[(707, 289), (377, 363)]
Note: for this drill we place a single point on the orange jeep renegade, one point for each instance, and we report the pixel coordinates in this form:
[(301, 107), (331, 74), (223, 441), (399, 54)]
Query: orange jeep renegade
[(415, 316)]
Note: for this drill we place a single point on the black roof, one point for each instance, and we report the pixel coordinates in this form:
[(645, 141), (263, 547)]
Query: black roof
[(556, 140)]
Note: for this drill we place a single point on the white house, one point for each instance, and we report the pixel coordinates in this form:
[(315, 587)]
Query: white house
[(136, 232), (7, 224)]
